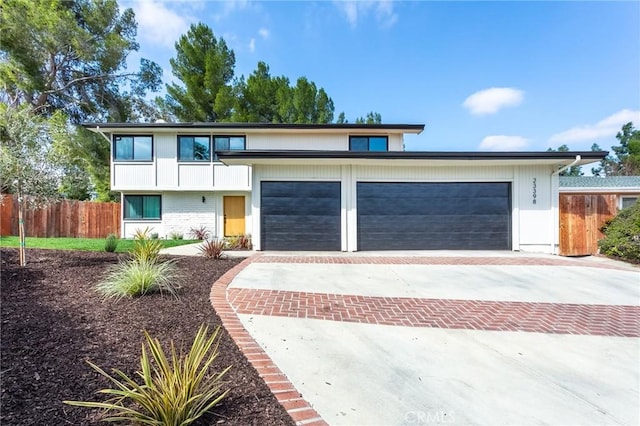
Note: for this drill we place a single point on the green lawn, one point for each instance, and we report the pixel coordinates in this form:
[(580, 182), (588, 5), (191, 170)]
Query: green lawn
[(86, 244)]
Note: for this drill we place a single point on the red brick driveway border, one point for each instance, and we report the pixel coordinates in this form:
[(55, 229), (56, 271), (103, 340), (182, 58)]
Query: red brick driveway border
[(553, 318), (298, 408), (412, 312), (443, 260)]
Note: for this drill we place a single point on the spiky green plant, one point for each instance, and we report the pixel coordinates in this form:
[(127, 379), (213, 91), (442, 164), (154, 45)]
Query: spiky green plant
[(239, 242), (144, 247), (176, 390), (176, 236), (131, 278), (111, 243)]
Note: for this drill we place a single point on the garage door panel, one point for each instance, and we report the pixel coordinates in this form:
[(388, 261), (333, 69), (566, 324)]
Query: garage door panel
[(401, 190), (293, 189), (437, 223), (285, 223), (437, 206), (411, 215), (300, 215), (300, 205), (413, 241)]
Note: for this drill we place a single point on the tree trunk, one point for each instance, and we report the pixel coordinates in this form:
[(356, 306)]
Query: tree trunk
[(21, 250)]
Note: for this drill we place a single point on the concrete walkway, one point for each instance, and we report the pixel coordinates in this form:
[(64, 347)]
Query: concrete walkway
[(505, 338), (193, 250)]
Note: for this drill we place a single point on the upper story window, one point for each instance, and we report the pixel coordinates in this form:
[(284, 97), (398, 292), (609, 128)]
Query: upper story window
[(194, 148), (230, 143), (141, 207), (368, 143), (628, 202), (133, 148)]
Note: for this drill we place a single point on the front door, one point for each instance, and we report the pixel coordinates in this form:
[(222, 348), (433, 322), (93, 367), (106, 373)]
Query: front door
[(233, 215)]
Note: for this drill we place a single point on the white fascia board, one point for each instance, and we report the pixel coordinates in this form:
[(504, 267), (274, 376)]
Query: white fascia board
[(606, 190)]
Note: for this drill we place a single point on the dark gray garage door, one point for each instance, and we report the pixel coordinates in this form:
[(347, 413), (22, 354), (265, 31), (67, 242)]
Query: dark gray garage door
[(434, 216), (300, 215)]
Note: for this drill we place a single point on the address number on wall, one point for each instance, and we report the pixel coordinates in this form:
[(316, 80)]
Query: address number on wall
[(533, 191)]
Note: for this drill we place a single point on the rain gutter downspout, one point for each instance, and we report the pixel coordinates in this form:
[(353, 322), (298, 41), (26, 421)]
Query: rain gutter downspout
[(563, 168), (556, 213), (102, 134)]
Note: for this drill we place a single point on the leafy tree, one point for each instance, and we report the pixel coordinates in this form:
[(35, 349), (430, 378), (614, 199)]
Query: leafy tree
[(371, 118), (205, 67), (626, 158), (571, 171), (600, 170), (70, 56), (628, 152), (27, 164), (341, 119), (310, 104), (266, 99), (263, 98), (90, 153), (207, 91), (75, 183)]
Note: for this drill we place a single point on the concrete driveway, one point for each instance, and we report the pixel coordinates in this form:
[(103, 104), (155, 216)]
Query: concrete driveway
[(440, 337)]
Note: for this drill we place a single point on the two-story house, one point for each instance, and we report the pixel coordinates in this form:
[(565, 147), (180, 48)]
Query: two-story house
[(333, 187)]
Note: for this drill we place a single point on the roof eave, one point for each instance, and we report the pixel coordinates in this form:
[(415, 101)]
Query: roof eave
[(600, 190), (253, 127), (408, 157)]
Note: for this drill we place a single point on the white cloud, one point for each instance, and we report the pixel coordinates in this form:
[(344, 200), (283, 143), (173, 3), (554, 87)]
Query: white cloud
[(252, 45), (158, 24), (385, 15), (264, 33), (490, 101), (229, 7), (383, 10), (605, 128), (503, 143)]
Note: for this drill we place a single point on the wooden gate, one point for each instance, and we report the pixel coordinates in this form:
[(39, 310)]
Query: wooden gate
[(581, 216)]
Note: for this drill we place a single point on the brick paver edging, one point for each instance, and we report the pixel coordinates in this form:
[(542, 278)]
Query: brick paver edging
[(284, 391), (440, 260), (537, 317)]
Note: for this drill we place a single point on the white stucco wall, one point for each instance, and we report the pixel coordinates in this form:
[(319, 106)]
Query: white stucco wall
[(182, 211)]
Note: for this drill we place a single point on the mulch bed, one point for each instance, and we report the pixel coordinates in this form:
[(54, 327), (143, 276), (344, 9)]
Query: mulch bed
[(53, 320)]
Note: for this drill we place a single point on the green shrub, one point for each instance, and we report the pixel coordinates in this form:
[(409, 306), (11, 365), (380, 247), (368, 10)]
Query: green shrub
[(239, 242), (175, 236), (135, 277), (176, 388), (212, 249), (622, 235), (111, 243), (144, 248)]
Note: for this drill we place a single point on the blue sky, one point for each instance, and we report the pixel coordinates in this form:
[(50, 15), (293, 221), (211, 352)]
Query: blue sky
[(507, 75)]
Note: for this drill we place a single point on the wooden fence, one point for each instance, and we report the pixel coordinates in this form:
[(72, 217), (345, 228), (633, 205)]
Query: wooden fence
[(581, 216), (86, 219)]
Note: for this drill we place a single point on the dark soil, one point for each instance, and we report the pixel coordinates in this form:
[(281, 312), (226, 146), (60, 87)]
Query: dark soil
[(53, 320)]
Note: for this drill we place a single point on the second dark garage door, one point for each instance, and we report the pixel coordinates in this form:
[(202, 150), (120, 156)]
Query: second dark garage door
[(300, 216), (434, 216)]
